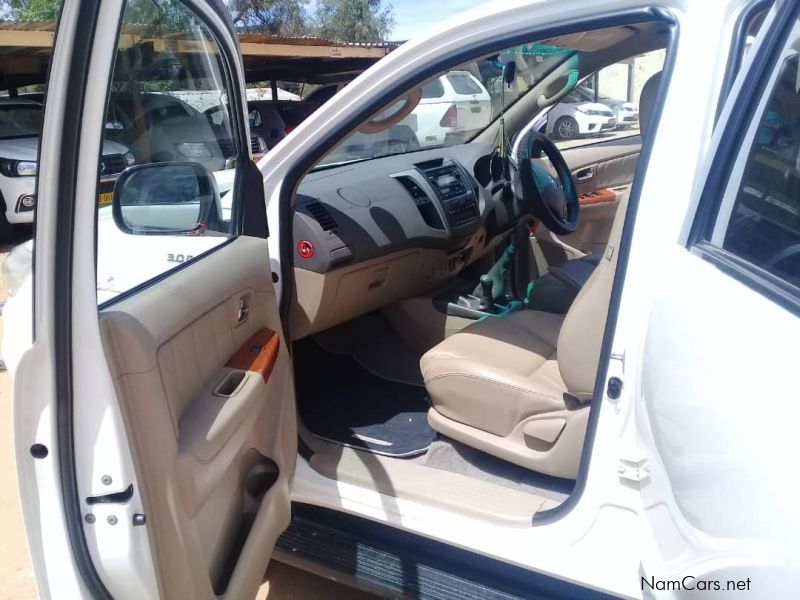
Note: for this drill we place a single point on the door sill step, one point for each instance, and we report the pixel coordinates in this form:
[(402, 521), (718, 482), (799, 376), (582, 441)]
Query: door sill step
[(398, 564)]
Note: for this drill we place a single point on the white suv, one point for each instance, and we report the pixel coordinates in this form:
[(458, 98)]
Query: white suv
[(20, 124), (452, 107)]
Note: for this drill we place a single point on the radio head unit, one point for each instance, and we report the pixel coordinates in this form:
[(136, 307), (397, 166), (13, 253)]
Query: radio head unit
[(454, 191)]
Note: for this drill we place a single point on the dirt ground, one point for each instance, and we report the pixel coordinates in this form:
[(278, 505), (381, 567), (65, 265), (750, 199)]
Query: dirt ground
[(282, 582)]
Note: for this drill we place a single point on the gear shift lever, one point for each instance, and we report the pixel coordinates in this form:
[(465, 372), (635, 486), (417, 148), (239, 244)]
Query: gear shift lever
[(486, 303)]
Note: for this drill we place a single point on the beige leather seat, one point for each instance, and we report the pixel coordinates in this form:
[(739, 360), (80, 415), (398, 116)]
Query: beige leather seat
[(519, 387)]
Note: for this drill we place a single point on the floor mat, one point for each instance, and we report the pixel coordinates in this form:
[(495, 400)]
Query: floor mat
[(372, 342), (342, 402)]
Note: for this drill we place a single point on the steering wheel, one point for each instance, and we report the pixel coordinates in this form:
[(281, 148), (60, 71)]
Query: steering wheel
[(553, 200)]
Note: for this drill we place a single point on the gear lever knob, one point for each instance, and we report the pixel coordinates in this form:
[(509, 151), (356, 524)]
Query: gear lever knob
[(487, 299), (487, 285)]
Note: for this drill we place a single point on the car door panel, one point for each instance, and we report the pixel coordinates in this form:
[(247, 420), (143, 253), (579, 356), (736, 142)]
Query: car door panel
[(603, 173), (210, 429)]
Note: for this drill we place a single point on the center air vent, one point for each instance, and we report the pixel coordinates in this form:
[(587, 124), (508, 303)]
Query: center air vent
[(320, 212), (426, 208)]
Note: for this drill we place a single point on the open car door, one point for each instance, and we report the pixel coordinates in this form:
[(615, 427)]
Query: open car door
[(155, 421)]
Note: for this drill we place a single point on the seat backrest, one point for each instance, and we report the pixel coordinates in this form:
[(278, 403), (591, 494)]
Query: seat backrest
[(273, 125), (581, 335)]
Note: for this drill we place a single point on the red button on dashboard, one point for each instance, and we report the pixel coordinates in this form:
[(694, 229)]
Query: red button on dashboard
[(305, 248)]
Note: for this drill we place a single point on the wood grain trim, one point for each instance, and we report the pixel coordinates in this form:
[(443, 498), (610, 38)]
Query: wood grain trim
[(258, 354), (600, 196)]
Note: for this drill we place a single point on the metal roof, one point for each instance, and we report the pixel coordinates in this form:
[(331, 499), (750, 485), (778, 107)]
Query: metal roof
[(25, 52), (249, 37)]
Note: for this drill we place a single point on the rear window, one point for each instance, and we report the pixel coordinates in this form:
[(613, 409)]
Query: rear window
[(463, 84), (433, 89)]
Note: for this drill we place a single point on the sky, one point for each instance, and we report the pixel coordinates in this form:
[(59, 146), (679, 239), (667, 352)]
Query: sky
[(415, 16)]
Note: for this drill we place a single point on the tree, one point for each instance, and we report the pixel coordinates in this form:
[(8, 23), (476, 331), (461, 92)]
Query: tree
[(277, 17), (354, 20), (31, 10)]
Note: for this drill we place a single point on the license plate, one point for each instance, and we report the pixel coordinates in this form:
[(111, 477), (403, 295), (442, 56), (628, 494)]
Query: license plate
[(104, 198)]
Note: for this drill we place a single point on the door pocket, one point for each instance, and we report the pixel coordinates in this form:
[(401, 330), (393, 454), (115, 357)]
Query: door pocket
[(231, 385)]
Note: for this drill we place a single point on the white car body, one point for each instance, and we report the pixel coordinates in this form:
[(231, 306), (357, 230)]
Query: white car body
[(678, 459), (626, 113), (574, 117), (455, 104), (15, 189), (442, 113)]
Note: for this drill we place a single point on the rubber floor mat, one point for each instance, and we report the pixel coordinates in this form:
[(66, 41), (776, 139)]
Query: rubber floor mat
[(342, 402), (373, 344)]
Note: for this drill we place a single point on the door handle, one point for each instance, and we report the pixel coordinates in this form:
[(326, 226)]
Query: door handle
[(585, 174)]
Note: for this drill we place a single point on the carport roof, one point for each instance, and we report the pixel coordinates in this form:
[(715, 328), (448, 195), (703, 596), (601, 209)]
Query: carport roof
[(25, 49)]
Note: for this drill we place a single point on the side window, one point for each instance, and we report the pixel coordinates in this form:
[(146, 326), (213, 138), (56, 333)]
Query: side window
[(604, 106), (169, 151), (463, 83), (759, 220)]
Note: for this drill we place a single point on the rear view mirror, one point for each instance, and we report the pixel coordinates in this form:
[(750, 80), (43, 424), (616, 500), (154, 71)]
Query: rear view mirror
[(509, 72), (166, 199)]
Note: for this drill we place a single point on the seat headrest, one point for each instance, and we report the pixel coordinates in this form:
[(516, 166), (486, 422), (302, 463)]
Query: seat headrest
[(647, 102)]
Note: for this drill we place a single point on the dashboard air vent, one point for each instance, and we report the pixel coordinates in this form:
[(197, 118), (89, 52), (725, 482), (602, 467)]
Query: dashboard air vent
[(426, 208), (320, 212)]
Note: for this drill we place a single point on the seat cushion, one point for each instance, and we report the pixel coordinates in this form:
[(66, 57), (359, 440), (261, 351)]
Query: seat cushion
[(497, 372)]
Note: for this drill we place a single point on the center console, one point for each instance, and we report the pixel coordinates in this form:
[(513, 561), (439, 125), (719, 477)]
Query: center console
[(444, 195), (457, 197)]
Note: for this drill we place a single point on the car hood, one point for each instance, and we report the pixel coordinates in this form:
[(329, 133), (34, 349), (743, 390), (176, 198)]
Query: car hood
[(28, 148), (620, 104), (594, 106)]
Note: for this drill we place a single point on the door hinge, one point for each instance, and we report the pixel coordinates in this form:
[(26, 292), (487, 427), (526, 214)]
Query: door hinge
[(619, 356)]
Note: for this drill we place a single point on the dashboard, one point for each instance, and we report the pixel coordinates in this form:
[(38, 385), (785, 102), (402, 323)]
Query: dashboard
[(370, 233)]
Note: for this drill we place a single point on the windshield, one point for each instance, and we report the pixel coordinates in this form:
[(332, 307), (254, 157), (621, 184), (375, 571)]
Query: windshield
[(453, 107), (18, 121)]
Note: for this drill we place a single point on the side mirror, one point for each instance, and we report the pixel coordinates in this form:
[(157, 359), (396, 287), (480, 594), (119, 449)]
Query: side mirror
[(167, 198)]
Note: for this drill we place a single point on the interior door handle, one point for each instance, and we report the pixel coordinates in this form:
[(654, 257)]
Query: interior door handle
[(584, 174)]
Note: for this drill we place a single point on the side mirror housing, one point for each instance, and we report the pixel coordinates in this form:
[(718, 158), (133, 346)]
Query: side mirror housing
[(169, 198)]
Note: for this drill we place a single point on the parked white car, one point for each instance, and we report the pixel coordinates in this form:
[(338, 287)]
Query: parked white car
[(626, 113), (20, 127), (453, 106), (574, 116)]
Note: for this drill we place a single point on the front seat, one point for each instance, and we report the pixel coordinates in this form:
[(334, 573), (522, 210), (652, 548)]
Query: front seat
[(519, 387)]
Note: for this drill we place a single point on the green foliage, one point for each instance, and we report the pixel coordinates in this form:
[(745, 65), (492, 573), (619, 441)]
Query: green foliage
[(353, 20), (276, 17), (345, 20), (32, 10)]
